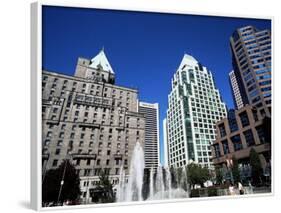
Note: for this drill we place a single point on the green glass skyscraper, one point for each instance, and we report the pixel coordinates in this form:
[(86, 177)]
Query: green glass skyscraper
[(194, 106)]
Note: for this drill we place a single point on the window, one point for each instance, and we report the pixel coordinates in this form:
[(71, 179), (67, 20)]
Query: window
[(57, 151), (237, 144), (261, 134), (70, 144), (222, 130), (78, 162), (63, 126), (244, 119), (47, 142), (72, 135), (232, 121), (225, 147), (55, 162), (98, 162), (249, 137), (49, 134), (255, 114), (59, 143), (217, 150)]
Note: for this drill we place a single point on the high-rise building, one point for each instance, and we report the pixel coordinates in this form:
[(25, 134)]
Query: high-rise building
[(151, 141), (251, 60), (194, 107), (165, 144), (91, 121), (236, 94)]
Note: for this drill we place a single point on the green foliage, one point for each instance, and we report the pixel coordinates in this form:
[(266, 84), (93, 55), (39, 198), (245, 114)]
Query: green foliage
[(197, 174), (235, 170), (212, 191), (106, 188), (52, 182), (194, 193), (219, 175), (255, 163)]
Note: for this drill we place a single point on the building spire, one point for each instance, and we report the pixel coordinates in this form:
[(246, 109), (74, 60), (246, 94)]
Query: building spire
[(101, 60)]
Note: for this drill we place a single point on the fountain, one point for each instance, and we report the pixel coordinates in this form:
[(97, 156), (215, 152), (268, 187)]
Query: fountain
[(160, 181)]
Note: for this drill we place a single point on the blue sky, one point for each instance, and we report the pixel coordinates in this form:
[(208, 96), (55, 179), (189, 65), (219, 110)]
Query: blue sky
[(144, 49)]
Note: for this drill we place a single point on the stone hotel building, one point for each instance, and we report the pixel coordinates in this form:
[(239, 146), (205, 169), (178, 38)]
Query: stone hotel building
[(91, 121)]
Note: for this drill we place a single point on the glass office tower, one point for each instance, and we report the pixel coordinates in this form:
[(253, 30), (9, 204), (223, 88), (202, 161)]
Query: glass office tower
[(194, 107), (251, 59)]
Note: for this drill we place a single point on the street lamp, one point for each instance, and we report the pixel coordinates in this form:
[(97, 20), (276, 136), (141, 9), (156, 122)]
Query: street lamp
[(63, 176)]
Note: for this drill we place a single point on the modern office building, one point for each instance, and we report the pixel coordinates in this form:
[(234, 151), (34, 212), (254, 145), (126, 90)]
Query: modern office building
[(151, 142), (236, 94), (91, 121), (194, 107), (251, 60), (243, 130), (165, 144)]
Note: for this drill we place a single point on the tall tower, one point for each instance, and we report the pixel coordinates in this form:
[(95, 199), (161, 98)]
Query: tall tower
[(151, 144), (239, 100), (194, 106), (165, 144), (251, 60)]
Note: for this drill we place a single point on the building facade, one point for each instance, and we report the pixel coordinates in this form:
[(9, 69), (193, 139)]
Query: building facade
[(152, 144), (165, 144), (251, 60), (236, 94), (91, 121), (194, 107), (237, 134)]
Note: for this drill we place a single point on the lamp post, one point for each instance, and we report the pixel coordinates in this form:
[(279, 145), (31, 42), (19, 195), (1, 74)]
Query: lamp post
[(63, 176)]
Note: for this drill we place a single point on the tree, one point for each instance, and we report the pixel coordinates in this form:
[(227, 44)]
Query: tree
[(51, 186), (235, 170), (197, 174), (255, 163), (105, 188), (219, 175)]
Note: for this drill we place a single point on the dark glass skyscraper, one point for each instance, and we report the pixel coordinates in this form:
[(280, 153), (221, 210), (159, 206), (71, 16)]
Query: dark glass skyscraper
[(251, 60)]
